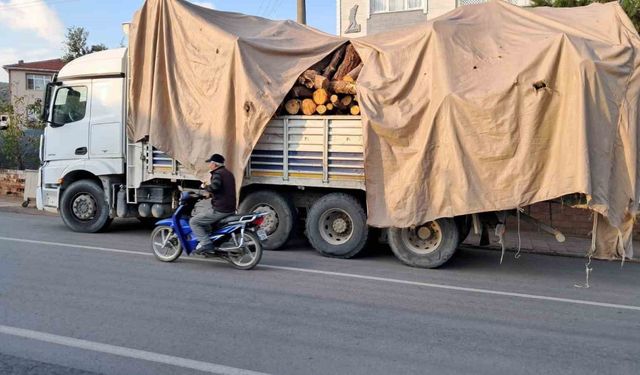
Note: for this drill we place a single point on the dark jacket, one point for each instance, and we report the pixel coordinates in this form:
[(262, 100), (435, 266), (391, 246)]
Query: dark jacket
[(223, 190)]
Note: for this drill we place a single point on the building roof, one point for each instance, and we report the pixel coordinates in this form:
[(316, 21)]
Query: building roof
[(53, 65)]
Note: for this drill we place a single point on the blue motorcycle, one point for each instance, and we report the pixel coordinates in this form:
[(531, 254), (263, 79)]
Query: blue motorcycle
[(237, 238)]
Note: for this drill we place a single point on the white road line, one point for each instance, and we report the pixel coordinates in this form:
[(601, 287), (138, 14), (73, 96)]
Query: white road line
[(122, 351), (365, 277)]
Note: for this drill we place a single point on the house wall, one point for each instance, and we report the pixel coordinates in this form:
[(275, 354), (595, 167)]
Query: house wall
[(374, 23), (436, 8), (344, 7), (388, 21), (18, 87)]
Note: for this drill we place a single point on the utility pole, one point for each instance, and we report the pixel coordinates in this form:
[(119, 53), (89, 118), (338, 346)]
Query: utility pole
[(302, 12)]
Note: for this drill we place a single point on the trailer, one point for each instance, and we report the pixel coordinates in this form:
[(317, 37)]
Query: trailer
[(306, 169)]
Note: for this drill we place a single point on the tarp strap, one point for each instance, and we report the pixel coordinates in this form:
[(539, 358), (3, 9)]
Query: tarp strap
[(518, 209), (587, 266), (621, 248), (500, 229)]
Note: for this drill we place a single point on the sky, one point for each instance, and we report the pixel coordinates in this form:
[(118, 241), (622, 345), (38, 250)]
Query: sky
[(33, 30)]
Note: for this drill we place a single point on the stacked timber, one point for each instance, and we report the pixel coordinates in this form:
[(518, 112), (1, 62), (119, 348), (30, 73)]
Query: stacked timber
[(328, 87)]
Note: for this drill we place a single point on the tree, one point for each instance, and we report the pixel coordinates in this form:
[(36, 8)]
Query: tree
[(75, 44), (631, 7), (20, 139)]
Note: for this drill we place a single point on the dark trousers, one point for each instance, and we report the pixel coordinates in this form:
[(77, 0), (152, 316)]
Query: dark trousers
[(201, 224)]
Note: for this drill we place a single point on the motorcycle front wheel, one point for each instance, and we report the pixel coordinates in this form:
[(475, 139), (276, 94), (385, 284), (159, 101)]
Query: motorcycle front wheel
[(247, 256), (165, 244)]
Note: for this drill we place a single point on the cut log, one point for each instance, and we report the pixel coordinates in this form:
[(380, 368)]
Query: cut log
[(342, 87), (351, 61), (292, 106), (337, 103), (336, 59), (355, 109), (329, 106), (352, 76), (308, 107), (313, 79), (321, 109), (346, 100), (320, 96), (301, 92), (308, 78), (320, 82)]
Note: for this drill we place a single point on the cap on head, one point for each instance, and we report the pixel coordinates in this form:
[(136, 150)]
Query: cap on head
[(216, 158)]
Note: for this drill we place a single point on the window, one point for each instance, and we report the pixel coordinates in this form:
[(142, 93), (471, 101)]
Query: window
[(37, 81), (70, 105), (380, 6)]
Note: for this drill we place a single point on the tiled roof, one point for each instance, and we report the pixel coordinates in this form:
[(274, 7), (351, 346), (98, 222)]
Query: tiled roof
[(53, 65)]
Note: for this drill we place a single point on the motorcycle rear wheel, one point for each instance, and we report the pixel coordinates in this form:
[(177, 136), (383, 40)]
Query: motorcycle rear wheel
[(249, 255), (165, 244)]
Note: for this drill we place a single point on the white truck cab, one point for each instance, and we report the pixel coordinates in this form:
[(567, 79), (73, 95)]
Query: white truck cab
[(84, 140)]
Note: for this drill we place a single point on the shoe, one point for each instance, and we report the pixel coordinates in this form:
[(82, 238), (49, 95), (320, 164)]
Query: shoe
[(208, 248)]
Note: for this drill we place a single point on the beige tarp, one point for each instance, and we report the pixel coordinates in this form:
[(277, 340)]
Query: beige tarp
[(487, 107), (204, 81)]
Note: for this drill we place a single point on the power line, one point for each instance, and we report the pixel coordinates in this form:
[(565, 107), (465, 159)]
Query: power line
[(276, 5), (266, 9), (262, 3)]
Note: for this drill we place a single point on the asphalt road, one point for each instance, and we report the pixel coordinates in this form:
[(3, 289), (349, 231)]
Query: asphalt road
[(101, 304)]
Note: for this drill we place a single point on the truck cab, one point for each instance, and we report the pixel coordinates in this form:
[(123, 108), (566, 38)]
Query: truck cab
[(83, 148)]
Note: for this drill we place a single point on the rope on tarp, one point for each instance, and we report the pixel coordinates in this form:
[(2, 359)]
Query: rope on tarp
[(587, 266), (518, 209), (500, 229), (621, 248)]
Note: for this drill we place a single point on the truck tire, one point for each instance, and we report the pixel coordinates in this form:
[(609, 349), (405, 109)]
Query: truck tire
[(427, 246), (337, 226), (282, 216), (84, 208)]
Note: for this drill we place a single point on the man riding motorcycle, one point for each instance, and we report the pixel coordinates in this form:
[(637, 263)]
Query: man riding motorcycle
[(222, 188)]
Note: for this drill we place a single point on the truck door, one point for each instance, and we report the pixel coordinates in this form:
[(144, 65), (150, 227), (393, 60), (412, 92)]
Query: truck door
[(106, 134), (67, 134)]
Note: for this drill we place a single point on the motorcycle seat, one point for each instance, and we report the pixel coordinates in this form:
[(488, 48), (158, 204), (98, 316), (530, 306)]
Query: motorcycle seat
[(228, 219)]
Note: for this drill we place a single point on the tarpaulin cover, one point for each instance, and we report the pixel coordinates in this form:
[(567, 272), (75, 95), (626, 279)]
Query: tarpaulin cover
[(204, 81), (485, 108)]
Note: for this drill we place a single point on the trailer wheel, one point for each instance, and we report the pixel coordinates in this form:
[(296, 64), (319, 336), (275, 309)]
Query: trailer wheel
[(280, 219), (83, 207), (337, 226), (427, 246)]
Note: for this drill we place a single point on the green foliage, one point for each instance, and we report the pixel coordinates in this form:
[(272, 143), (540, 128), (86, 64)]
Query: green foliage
[(631, 7), (75, 44), (4, 94), (19, 149)]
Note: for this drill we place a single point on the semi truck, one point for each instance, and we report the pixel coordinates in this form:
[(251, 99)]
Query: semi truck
[(304, 169)]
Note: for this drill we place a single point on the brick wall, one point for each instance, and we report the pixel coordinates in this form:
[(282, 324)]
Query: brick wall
[(11, 182)]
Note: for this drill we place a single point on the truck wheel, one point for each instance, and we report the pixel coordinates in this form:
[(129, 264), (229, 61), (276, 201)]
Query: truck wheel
[(83, 207), (427, 246), (337, 226), (281, 215), (464, 224)]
